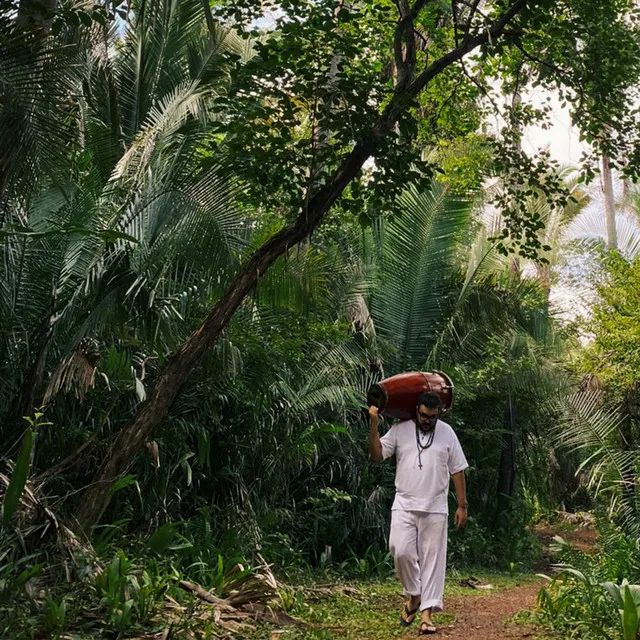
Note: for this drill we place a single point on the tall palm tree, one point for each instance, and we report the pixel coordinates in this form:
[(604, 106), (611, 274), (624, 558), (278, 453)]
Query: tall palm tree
[(124, 230), (589, 228)]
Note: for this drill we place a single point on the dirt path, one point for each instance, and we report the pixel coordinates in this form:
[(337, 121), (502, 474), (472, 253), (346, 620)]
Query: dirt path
[(488, 617)]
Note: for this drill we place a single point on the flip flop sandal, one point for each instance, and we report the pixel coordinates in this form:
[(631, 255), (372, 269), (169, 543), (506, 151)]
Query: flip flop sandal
[(427, 629), (408, 615)]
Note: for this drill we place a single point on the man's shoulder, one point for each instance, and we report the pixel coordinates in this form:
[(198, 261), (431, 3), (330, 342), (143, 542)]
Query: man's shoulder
[(446, 428)]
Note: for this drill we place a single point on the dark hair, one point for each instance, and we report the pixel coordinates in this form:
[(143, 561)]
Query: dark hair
[(430, 400)]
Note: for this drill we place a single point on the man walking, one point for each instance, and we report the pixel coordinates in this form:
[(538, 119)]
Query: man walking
[(427, 453)]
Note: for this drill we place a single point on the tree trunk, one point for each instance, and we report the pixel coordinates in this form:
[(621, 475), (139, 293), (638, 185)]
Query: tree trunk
[(609, 204), (507, 468), (543, 272), (133, 435)]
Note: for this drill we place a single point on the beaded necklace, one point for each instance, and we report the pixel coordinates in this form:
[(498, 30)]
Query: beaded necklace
[(428, 443)]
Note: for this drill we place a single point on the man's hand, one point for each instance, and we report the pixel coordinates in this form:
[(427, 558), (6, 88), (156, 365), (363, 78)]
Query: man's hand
[(461, 494), (461, 518), (375, 447)]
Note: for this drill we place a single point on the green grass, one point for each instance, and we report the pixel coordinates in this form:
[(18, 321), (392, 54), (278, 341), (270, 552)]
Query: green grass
[(370, 609)]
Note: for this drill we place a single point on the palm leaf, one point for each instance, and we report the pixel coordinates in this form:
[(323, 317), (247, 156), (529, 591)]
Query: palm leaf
[(39, 84), (594, 429), (419, 249), (589, 227)]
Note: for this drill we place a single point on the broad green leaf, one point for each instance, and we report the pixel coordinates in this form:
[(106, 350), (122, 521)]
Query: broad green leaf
[(18, 477), (629, 616), (122, 483), (614, 591), (162, 538)]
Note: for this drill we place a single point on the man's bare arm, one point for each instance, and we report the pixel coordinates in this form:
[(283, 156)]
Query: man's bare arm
[(460, 485), (375, 447)]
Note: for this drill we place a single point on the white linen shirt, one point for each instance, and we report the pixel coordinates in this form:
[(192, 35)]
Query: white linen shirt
[(423, 489)]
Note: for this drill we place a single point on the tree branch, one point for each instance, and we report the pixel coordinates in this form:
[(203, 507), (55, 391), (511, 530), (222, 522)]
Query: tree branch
[(209, 19), (133, 436), (454, 13), (402, 98), (473, 9), (405, 55)]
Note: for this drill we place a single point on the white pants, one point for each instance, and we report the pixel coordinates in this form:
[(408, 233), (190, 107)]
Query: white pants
[(418, 544)]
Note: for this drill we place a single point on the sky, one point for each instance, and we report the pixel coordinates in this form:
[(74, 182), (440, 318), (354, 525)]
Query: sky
[(572, 295), (561, 138)]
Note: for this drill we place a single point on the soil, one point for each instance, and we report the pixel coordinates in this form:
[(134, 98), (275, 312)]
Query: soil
[(489, 617), (582, 538)]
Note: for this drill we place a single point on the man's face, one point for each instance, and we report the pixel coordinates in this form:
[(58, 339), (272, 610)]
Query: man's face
[(427, 417)]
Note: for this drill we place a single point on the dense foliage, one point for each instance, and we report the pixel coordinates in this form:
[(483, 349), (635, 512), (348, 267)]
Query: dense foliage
[(221, 224)]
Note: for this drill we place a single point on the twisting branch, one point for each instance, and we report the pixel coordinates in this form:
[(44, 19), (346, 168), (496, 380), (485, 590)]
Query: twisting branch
[(473, 9), (132, 436), (483, 89), (559, 72), (434, 119), (540, 61), (402, 97), (404, 42)]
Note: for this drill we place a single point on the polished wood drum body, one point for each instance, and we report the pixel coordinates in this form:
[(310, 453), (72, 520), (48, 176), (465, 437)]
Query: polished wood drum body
[(397, 396)]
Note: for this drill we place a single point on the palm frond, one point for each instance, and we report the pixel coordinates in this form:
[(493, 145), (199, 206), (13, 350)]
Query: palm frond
[(589, 227), (419, 249), (40, 83), (167, 41), (594, 429)]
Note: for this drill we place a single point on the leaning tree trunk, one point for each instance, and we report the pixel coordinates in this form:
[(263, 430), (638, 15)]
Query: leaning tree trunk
[(132, 436)]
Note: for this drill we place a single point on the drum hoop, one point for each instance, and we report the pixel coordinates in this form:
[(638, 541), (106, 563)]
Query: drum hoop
[(449, 385), (385, 396)]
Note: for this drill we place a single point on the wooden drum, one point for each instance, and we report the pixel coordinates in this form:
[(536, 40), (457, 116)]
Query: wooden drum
[(397, 396)]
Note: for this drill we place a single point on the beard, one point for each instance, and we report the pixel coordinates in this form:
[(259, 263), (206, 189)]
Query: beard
[(425, 428)]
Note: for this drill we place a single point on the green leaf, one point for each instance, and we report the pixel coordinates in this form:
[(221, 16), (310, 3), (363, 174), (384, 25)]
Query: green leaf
[(629, 616), (18, 477), (27, 574), (614, 591), (189, 472), (162, 538), (122, 483), (334, 428)]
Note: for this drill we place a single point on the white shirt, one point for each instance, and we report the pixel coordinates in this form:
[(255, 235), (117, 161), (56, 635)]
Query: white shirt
[(423, 489)]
